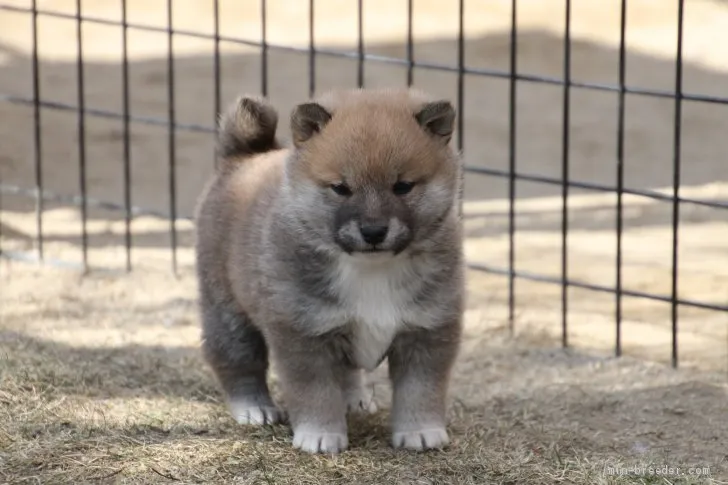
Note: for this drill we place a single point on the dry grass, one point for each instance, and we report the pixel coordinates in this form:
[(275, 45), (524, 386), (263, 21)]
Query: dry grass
[(102, 382)]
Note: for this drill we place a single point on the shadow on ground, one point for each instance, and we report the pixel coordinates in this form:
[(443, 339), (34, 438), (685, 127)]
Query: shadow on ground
[(516, 414)]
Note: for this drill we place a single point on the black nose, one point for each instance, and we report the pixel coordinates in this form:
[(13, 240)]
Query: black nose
[(374, 234)]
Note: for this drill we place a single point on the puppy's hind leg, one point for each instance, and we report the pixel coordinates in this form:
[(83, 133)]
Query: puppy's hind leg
[(359, 393), (238, 355)]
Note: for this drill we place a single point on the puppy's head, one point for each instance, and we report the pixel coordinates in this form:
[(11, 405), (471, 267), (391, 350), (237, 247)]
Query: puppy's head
[(372, 171)]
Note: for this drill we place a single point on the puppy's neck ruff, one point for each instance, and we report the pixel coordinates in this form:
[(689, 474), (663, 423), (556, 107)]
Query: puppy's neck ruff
[(374, 292)]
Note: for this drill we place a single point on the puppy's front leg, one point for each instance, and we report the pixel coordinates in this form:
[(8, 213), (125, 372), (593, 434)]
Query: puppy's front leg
[(419, 367), (312, 384)]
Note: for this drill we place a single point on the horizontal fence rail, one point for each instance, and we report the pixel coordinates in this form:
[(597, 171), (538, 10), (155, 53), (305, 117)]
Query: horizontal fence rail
[(358, 55)]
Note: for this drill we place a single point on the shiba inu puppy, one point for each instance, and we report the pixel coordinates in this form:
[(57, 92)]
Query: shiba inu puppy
[(330, 256)]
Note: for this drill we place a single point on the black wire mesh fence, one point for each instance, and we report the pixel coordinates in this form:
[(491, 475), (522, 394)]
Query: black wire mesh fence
[(459, 69)]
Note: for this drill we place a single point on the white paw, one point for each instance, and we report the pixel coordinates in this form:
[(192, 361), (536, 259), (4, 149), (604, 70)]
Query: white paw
[(422, 439), (255, 414), (361, 400), (312, 441)]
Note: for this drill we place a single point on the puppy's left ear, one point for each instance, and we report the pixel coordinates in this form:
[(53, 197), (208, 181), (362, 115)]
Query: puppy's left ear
[(438, 119)]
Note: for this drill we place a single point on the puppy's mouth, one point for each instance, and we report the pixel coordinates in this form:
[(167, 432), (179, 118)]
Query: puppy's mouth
[(393, 251), (372, 255), (374, 250)]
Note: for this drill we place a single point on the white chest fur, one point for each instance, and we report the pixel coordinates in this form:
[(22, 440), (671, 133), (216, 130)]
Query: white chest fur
[(375, 293)]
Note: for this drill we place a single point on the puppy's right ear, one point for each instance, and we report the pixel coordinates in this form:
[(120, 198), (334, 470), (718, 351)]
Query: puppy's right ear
[(307, 120)]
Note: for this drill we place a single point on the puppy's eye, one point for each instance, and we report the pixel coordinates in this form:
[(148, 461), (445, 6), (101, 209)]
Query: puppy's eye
[(402, 188), (341, 189)]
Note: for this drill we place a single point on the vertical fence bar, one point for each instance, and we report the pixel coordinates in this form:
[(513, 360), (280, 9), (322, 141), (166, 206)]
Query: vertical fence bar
[(38, 160), (216, 72), (461, 71), (172, 137), (127, 141), (565, 178), (620, 177), (410, 45), (676, 176), (360, 44), (81, 134), (512, 169), (311, 50), (264, 47), (461, 95)]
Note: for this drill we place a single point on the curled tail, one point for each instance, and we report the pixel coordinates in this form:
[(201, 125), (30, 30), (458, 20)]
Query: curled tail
[(247, 128)]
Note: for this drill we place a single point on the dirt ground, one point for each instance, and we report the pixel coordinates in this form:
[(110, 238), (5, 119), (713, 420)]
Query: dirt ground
[(103, 382), (100, 374)]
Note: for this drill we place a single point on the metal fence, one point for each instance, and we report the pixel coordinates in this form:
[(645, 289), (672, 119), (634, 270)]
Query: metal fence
[(361, 58)]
